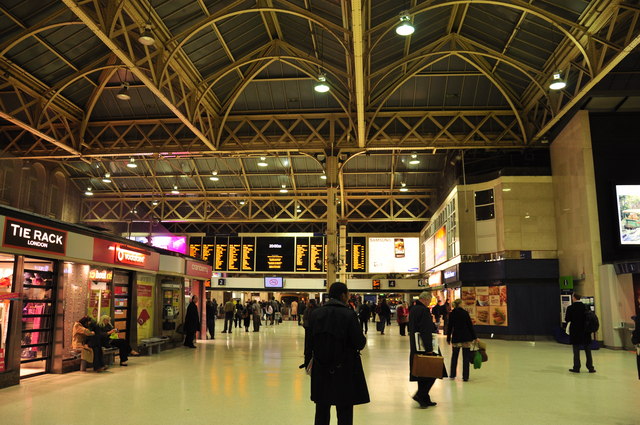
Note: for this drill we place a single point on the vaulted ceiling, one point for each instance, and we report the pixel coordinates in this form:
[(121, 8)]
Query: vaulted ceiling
[(229, 82)]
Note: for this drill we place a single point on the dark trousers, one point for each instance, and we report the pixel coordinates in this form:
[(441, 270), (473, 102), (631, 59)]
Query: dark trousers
[(211, 327), (228, 321), (364, 323), (576, 356), (189, 337), (466, 356), (323, 414), (403, 327), (123, 347), (424, 386)]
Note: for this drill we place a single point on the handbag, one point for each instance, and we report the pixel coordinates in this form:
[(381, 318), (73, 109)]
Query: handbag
[(425, 366)]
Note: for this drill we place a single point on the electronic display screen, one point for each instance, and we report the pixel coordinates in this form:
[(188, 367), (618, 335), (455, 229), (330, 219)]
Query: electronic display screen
[(628, 201), (221, 252), (195, 247), (302, 254), (316, 254), (248, 254), (358, 255), (234, 254), (208, 245), (273, 282), (275, 254), (394, 255)]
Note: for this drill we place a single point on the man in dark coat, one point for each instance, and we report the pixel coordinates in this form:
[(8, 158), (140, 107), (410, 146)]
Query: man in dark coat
[(363, 315), (578, 336), (421, 326), (191, 323), (332, 350), (212, 310)]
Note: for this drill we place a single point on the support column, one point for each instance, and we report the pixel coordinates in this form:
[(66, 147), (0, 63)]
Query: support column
[(342, 250), (332, 220)]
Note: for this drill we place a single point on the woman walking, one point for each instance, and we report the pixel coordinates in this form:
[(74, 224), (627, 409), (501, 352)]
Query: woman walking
[(403, 317), (460, 332)]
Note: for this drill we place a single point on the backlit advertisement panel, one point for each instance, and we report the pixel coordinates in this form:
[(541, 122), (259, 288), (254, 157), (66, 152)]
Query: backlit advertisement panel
[(628, 199), (441, 245), (394, 255)]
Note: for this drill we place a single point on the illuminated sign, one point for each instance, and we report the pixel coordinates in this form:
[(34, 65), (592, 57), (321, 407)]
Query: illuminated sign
[(440, 241), (129, 256), (34, 237), (101, 275), (449, 274), (394, 255)]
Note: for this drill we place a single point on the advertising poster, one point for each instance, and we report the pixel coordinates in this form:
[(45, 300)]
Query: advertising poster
[(144, 316), (482, 295), (441, 245), (498, 315), (482, 315), (468, 296), (487, 305), (394, 255), (628, 197)]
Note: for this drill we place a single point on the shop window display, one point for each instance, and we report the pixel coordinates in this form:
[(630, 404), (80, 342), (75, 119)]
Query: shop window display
[(76, 293), (6, 285)]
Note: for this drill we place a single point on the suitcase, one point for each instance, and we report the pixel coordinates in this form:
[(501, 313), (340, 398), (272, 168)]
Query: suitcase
[(427, 366)]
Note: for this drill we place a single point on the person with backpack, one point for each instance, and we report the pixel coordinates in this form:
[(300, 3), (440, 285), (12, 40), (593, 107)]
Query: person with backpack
[(579, 333), (332, 354)]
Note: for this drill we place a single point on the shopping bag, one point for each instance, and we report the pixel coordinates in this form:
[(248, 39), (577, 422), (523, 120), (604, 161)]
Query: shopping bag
[(483, 351), (427, 366), (477, 360)]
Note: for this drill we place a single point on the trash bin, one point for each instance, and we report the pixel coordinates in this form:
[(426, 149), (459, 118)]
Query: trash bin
[(625, 335)]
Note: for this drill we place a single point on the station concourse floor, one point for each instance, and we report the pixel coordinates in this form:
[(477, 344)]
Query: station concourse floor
[(253, 378)]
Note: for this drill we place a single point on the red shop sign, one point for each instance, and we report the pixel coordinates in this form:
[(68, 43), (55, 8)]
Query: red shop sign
[(128, 255), (198, 269), (116, 253)]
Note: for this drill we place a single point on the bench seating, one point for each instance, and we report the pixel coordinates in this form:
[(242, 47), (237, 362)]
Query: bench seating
[(149, 343)]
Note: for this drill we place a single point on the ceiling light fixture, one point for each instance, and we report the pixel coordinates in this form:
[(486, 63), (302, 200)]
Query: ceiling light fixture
[(242, 202), (154, 203), (132, 163), (262, 162), (405, 28), (214, 177), (175, 190), (123, 92), (322, 86), (414, 159), (403, 187), (323, 176), (89, 192), (107, 178), (557, 83), (284, 189), (146, 37)]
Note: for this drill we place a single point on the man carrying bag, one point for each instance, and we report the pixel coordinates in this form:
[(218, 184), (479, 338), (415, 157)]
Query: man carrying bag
[(421, 329)]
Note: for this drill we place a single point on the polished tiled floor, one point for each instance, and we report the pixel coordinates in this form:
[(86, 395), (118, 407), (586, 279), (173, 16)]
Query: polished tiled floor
[(253, 378)]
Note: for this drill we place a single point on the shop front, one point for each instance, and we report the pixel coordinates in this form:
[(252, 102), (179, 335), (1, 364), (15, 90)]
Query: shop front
[(509, 298), (197, 280)]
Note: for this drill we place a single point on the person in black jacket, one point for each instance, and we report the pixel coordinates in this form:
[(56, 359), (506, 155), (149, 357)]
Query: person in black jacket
[(460, 332), (212, 311), (191, 323), (579, 337), (363, 314), (332, 351), (421, 322)]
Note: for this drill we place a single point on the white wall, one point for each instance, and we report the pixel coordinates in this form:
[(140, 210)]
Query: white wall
[(615, 304)]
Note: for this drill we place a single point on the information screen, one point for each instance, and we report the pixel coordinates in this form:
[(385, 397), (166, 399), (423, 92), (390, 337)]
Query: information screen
[(358, 255), (275, 254), (273, 282), (234, 255), (221, 253), (302, 254), (195, 247), (248, 254), (316, 254), (208, 245), (394, 255)]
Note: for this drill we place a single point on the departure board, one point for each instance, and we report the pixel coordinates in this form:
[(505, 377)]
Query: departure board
[(207, 249), (302, 254), (316, 254), (195, 247), (248, 254), (275, 254), (358, 258), (234, 254), (221, 254)]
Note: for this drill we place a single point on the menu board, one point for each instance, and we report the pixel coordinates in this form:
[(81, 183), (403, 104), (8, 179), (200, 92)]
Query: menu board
[(302, 254), (208, 245), (394, 255), (221, 253), (316, 254), (487, 305), (234, 254), (195, 247), (358, 257), (275, 254), (248, 254)]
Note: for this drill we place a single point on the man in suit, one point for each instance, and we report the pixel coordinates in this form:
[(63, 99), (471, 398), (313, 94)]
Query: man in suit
[(579, 337), (421, 322)]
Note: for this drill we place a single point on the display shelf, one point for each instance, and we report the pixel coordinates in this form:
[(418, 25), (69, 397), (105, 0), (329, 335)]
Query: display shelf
[(40, 344), (35, 359), (36, 330)]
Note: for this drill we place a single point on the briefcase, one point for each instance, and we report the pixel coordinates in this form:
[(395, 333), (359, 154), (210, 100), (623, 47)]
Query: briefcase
[(427, 366)]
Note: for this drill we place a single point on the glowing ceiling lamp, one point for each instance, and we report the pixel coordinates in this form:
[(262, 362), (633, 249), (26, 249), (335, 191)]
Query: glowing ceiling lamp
[(214, 177), (284, 189), (405, 28), (175, 190), (132, 163), (106, 178), (146, 37), (414, 159), (263, 162), (322, 86), (123, 93), (403, 187), (88, 192), (558, 82)]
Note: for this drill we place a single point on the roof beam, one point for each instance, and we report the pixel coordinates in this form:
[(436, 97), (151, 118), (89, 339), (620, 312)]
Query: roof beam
[(39, 133), (124, 57), (358, 71)]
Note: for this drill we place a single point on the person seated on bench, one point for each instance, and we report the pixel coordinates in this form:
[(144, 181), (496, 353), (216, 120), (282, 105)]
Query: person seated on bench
[(86, 340), (111, 333)]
